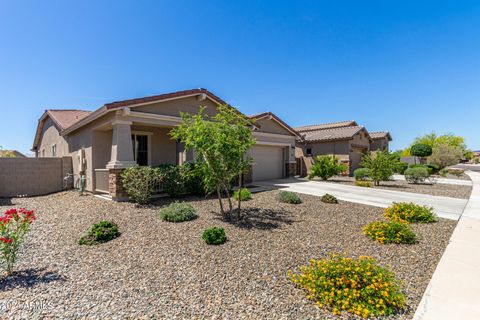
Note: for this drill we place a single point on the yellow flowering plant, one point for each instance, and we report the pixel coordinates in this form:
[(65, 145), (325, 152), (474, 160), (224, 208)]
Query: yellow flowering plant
[(409, 212), (390, 232), (358, 286)]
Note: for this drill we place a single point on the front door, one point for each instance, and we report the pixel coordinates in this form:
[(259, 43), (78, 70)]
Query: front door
[(140, 149)]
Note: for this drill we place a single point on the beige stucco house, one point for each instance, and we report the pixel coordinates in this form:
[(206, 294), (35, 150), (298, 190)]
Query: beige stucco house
[(346, 140), (380, 140), (133, 132)]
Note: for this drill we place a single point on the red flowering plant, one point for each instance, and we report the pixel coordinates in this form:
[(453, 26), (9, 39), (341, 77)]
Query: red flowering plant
[(14, 225)]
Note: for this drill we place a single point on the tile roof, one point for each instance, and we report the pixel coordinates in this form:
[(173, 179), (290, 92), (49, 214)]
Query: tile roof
[(66, 118), (340, 133), (380, 135), (326, 126)]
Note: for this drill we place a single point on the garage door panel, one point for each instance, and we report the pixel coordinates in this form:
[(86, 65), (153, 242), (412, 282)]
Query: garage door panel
[(268, 162)]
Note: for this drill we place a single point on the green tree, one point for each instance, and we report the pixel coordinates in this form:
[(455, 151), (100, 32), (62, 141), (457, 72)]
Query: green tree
[(433, 140), (421, 150), (381, 164), (326, 167), (468, 154), (221, 143), (445, 155)]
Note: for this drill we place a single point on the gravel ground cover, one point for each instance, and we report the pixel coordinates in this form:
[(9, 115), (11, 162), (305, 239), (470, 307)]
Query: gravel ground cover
[(436, 189), (162, 270)]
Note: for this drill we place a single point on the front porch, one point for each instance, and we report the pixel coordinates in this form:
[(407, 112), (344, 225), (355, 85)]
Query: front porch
[(132, 138)]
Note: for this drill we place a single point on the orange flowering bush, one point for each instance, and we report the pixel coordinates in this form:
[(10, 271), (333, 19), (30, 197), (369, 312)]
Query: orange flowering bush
[(390, 232), (358, 286), (409, 212)]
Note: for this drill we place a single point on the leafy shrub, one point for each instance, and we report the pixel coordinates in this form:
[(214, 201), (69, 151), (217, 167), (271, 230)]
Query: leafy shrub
[(328, 198), (455, 172), (182, 179), (214, 235), (444, 155), (476, 160), (429, 169), (244, 193), (406, 212), (381, 165), (358, 286), (401, 167), (432, 168), (140, 183), (14, 225), (361, 174), (416, 175), (326, 167), (366, 184), (101, 232), (420, 150), (390, 232), (289, 197), (178, 212)]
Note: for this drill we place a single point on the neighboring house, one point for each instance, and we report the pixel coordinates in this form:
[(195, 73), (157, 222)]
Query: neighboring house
[(346, 140), (380, 140), (11, 154), (136, 132)]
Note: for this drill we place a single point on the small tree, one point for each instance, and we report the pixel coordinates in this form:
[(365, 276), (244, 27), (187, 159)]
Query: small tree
[(221, 143), (326, 167), (381, 165), (445, 155), (421, 151)]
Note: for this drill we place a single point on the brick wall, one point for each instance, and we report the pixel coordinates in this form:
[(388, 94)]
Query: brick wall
[(33, 176)]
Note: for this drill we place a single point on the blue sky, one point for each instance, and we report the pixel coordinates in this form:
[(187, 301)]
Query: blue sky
[(409, 67)]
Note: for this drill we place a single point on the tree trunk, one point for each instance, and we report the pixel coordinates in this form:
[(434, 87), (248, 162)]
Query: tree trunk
[(219, 195), (239, 197)]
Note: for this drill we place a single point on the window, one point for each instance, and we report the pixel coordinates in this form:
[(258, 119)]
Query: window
[(43, 153), (309, 151), (140, 149), (54, 150)]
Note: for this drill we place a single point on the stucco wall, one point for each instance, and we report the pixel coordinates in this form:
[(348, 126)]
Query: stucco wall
[(379, 144), (271, 126), (174, 107), (339, 148), (50, 136), (32, 176), (163, 148)]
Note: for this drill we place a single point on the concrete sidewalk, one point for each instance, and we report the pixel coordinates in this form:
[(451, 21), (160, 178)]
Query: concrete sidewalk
[(454, 290), (445, 207)]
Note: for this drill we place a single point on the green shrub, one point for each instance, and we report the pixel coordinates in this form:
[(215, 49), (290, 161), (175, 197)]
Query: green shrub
[(328, 198), (366, 184), (432, 168), (401, 167), (381, 165), (358, 286), (182, 179), (214, 235), (390, 232), (289, 197), (244, 193), (455, 172), (99, 233), (409, 212), (326, 167), (361, 174), (140, 183), (178, 212), (421, 150), (416, 174), (428, 168)]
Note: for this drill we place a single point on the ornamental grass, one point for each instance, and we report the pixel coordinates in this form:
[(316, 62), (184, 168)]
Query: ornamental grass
[(357, 286), (405, 212)]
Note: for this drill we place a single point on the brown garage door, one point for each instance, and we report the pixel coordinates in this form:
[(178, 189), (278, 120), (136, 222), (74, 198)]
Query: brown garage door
[(267, 162)]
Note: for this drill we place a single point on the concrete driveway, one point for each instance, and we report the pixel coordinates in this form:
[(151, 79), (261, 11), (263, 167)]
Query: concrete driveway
[(445, 207)]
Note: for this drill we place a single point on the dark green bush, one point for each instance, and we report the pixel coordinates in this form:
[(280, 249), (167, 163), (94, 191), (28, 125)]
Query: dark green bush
[(390, 232), (289, 197), (182, 179), (178, 212), (326, 167), (401, 167), (140, 183), (99, 233), (421, 150), (361, 174), (328, 198), (245, 194), (214, 235), (429, 169), (433, 168), (416, 174)]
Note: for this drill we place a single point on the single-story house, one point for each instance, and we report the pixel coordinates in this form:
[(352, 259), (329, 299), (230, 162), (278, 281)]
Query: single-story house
[(346, 140), (133, 132), (380, 140)]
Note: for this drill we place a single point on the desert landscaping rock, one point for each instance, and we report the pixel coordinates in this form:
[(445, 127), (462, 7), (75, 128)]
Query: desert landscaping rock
[(157, 269)]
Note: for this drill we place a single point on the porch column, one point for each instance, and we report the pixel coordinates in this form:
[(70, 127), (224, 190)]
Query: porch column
[(121, 158)]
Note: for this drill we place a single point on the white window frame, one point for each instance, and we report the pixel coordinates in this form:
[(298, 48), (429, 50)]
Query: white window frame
[(149, 145)]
